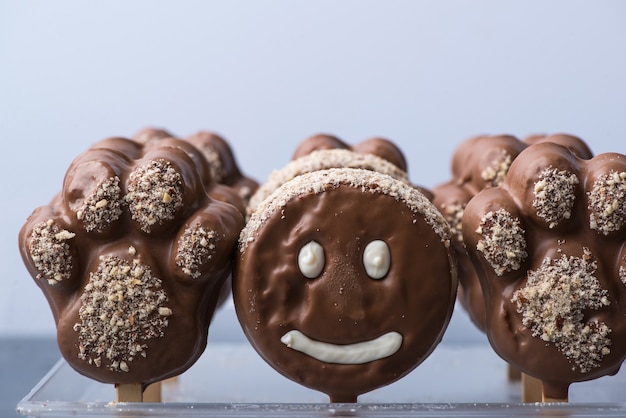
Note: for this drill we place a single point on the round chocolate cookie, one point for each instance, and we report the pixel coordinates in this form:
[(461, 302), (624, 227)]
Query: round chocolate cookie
[(345, 280)]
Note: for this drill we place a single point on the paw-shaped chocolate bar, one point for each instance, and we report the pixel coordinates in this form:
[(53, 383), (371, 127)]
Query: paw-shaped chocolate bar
[(217, 152), (549, 248), (479, 163), (132, 256)]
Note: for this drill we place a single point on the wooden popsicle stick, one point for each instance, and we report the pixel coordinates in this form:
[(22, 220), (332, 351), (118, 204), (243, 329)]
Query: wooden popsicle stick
[(129, 392), (548, 399), (513, 373), (171, 380), (153, 393), (532, 389)]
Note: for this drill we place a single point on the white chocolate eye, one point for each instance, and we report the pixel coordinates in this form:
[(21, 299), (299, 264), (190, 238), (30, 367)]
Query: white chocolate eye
[(376, 259), (311, 260)]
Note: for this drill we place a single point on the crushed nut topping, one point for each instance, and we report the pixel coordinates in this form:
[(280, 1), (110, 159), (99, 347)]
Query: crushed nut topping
[(454, 215), (216, 166), (155, 193), (552, 305), (102, 207), (622, 274), (50, 252), (321, 160), (607, 202), (496, 172), (195, 247), (555, 195), (328, 179), (503, 244), (122, 309)]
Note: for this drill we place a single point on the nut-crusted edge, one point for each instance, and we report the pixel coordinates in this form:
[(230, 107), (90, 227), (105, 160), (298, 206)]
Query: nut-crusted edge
[(322, 160), (322, 180)]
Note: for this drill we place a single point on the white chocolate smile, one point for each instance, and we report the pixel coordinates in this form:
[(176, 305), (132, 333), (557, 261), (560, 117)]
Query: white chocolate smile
[(358, 353)]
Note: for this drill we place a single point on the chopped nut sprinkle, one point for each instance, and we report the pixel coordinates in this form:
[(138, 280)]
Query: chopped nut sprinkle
[(366, 180), (50, 252), (503, 243), (102, 207), (607, 202), (155, 193), (321, 160), (122, 309), (496, 172), (195, 247), (555, 195), (552, 305), (216, 166), (622, 274), (454, 215)]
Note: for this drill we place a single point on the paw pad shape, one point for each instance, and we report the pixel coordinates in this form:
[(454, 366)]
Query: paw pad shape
[(132, 256), (548, 245)]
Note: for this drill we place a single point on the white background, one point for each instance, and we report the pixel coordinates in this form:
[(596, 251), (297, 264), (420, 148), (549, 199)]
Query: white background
[(267, 74)]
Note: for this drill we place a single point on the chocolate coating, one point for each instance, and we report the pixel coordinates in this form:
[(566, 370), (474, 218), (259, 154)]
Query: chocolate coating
[(132, 257), (380, 147), (219, 155), (342, 305), (320, 152), (549, 249), (478, 163)]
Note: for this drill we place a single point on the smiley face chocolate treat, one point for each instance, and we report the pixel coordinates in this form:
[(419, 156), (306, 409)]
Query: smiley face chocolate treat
[(479, 163), (345, 280), (548, 245), (132, 256)]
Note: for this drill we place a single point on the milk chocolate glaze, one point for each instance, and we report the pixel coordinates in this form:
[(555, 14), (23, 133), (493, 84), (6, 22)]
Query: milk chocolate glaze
[(338, 304), (132, 257), (217, 152), (321, 152), (478, 163), (381, 147), (548, 246)]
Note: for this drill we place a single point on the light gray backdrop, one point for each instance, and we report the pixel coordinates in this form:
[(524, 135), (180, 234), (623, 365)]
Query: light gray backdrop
[(267, 74)]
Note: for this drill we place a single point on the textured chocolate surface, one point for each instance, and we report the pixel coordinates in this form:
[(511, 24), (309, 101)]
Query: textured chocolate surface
[(380, 147), (219, 155), (341, 305), (321, 160), (479, 163), (549, 249), (133, 256), (320, 152)]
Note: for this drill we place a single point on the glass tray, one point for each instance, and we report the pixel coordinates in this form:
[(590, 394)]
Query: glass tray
[(463, 377), (230, 379)]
